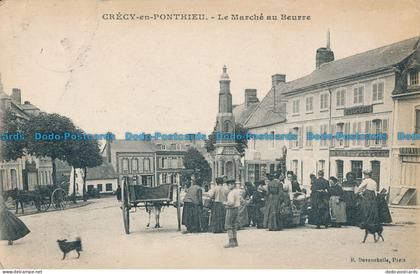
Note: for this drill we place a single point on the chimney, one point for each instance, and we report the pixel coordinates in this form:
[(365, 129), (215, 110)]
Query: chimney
[(17, 96), (324, 55), (278, 104), (278, 78), (108, 148), (250, 97)]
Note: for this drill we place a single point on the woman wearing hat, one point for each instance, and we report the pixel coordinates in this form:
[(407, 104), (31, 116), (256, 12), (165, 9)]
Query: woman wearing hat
[(369, 207)]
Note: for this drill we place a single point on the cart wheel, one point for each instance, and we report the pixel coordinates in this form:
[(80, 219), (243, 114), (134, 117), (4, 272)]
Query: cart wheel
[(125, 206), (45, 204), (59, 198)]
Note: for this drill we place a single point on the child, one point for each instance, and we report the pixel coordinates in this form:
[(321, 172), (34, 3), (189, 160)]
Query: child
[(232, 206)]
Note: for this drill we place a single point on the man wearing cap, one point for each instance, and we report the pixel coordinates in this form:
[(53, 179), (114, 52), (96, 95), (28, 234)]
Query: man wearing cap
[(320, 201), (232, 207)]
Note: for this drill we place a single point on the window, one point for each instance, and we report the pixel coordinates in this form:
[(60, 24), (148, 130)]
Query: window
[(99, 187), (227, 126), (180, 165), (324, 101), (125, 165), (321, 165), (134, 164), (146, 165), (340, 129), (294, 166), (178, 147), (163, 147), (340, 170), (358, 95), (308, 142), (295, 143), (377, 129), (414, 78), (378, 91), (341, 98), (13, 179), (417, 129), (296, 106), (323, 130), (108, 187), (251, 173), (356, 168), (309, 104), (346, 132)]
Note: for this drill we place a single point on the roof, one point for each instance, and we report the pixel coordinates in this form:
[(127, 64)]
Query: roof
[(132, 146), (28, 106), (242, 113), (378, 59), (104, 171), (264, 114)]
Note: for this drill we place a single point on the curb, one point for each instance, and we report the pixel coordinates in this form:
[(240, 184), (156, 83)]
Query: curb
[(67, 208)]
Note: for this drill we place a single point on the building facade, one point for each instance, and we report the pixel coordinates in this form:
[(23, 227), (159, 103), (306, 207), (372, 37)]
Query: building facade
[(27, 172), (149, 163), (359, 94)]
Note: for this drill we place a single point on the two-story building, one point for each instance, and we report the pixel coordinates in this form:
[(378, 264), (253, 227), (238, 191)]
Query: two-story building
[(27, 172), (353, 95)]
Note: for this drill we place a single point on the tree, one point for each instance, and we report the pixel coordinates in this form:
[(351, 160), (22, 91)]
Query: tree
[(11, 125), (45, 137), (84, 153), (240, 140), (195, 162)]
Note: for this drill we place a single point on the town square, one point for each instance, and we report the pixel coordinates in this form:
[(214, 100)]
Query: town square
[(225, 141)]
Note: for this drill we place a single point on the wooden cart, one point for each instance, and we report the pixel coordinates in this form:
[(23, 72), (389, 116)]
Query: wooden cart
[(139, 196)]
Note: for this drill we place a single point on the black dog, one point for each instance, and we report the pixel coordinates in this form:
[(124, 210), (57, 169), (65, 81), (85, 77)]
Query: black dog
[(66, 247), (372, 229)]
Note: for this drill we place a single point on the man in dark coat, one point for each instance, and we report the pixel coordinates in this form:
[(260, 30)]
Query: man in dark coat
[(320, 201)]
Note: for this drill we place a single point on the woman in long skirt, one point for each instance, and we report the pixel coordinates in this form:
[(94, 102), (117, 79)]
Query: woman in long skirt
[(368, 206), (218, 195), (258, 200), (192, 210), (337, 204), (273, 204), (320, 199), (349, 196), (11, 227), (243, 217)]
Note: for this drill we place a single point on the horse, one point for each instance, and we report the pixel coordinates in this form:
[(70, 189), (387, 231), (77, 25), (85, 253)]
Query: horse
[(156, 209), (23, 196)]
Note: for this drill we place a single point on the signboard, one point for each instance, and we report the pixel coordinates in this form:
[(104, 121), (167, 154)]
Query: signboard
[(358, 110), (359, 153)]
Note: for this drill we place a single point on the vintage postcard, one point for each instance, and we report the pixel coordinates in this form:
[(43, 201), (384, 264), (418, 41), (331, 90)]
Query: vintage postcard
[(209, 134)]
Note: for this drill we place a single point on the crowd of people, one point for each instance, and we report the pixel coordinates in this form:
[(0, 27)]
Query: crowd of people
[(271, 204)]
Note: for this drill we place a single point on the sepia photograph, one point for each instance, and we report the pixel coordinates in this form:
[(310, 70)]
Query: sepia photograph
[(205, 134)]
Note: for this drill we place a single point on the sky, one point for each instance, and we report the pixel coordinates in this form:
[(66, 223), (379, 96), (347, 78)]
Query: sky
[(119, 76)]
